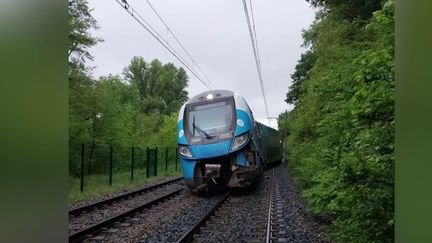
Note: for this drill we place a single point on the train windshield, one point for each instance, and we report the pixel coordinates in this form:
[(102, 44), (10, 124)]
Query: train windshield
[(208, 119)]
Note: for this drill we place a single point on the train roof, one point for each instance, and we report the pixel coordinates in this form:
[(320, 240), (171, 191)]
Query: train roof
[(262, 124), (216, 93)]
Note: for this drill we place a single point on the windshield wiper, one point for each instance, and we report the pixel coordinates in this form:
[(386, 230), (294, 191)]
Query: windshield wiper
[(200, 130)]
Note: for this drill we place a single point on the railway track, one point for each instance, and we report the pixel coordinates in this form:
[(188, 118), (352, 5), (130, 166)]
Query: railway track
[(90, 219), (270, 208), (261, 216), (269, 212), (238, 217), (91, 206), (189, 235), (96, 228)]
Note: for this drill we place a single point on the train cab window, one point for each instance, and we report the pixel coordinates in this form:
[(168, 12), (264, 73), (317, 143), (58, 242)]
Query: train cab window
[(205, 120)]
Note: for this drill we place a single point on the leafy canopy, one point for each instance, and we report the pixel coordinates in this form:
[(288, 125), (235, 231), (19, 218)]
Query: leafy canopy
[(341, 132), (138, 108)]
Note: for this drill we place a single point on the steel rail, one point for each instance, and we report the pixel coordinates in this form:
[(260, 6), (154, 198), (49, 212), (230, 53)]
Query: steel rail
[(268, 234), (96, 228), (89, 207), (188, 236)]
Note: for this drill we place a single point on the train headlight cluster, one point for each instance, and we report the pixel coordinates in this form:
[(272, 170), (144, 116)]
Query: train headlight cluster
[(239, 141), (183, 150)]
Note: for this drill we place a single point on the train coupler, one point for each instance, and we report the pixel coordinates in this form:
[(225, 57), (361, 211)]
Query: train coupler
[(212, 170)]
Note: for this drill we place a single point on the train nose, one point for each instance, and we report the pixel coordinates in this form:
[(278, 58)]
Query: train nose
[(211, 150)]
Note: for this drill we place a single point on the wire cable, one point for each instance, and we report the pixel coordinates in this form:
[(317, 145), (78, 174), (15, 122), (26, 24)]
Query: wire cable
[(180, 44), (158, 37), (256, 39), (255, 50)]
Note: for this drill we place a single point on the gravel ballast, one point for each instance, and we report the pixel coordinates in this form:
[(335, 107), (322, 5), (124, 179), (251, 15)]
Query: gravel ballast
[(86, 219), (243, 217)]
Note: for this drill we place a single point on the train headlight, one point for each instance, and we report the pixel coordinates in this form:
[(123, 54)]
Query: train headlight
[(183, 150), (239, 141)]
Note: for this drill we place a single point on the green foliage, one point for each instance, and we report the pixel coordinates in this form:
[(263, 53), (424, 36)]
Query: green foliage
[(96, 186), (161, 87), (138, 108), (117, 114), (81, 85), (302, 72), (349, 9), (80, 22), (283, 124), (341, 132), (168, 131)]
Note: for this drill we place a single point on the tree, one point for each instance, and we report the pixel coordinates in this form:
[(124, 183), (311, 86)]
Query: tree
[(161, 87), (349, 9), (283, 123), (302, 72), (341, 131), (81, 103), (80, 22), (137, 110), (82, 112)]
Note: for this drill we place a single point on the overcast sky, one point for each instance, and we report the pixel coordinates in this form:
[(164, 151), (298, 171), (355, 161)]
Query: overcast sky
[(215, 33)]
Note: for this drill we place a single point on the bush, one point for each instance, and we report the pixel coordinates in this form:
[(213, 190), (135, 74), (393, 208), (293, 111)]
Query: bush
[(342, 128)]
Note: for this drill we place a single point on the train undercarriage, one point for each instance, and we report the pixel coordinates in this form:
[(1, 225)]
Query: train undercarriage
[(225, 171)]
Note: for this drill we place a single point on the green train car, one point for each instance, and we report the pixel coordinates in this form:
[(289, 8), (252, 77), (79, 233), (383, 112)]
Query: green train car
[(270, 144)]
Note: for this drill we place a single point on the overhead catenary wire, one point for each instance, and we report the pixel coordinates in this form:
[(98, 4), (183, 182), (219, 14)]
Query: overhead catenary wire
[(159, 38), (258, 53), (252, 34), (156, 35), (256, 39), (180, 44)]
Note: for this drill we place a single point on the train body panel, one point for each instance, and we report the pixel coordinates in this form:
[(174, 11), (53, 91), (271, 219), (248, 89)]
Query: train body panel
[(271, 144), (220, 144), (206, 151)]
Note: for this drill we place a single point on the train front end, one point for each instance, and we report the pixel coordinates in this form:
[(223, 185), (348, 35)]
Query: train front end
[(216, 141)]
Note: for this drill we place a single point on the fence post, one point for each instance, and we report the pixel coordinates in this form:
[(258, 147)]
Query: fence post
[(176, 158), (166, 159), (82, 168), (91, 156), (156, 162), (132, 162), (111, 165), (148, 163)]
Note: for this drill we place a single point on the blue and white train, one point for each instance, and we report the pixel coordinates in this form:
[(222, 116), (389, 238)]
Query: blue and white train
[(220, 143)]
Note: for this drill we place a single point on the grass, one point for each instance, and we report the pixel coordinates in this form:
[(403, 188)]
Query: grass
[(96, 186)]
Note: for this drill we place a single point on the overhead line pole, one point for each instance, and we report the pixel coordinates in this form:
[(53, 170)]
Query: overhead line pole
[(272, 117)]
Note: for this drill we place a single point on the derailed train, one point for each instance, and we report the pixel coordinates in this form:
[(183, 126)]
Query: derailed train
[(220, 143)]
